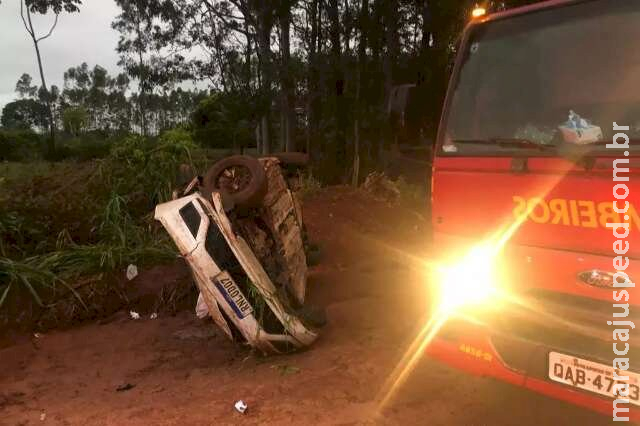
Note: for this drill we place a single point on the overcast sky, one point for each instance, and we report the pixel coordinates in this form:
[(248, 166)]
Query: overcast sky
[(79, 37)]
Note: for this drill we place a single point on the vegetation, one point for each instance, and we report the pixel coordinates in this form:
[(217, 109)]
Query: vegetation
[(305, 75), (86, 219), (285, 75)]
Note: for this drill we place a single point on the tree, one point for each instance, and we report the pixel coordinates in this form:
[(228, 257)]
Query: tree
[(89, 88), (286, 81), (27, 7), (261, 16), (338, 58), (75, 119), (24, 114), (24, 87), (363, 22), (313, 44), (132, 47), (142, 42), (336, 151), (220, 121)]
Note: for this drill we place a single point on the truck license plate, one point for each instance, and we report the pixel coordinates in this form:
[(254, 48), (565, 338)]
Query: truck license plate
[(591, 376), (232, 294)]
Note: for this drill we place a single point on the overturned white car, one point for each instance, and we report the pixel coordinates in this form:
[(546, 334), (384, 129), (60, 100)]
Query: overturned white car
[(241, 234)]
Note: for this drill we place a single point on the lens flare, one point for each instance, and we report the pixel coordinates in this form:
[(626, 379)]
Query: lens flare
[(478, 11), (477, 278), (470, 281)]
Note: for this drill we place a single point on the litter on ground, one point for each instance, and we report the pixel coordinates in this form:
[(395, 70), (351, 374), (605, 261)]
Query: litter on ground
[(132, 272), (241, 406)]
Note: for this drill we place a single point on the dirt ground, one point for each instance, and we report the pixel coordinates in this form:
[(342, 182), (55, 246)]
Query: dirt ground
[(180, 370)]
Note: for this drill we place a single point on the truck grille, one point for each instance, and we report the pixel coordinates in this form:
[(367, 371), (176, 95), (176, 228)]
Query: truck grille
[(547, 321)]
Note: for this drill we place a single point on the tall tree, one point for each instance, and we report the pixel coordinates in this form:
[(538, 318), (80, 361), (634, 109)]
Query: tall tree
[(336, 151), (363, 25), (27, 7), (148, 30), (133, 46), (286, 80), (313, 12), (262, 14)]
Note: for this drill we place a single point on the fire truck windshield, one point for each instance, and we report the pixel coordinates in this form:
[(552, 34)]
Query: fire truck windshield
[(556, 77)]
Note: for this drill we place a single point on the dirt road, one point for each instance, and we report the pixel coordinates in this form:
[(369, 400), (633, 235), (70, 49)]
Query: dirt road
[(182, 371)]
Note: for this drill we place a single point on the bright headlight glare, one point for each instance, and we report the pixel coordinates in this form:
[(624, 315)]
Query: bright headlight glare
[(470, 281)]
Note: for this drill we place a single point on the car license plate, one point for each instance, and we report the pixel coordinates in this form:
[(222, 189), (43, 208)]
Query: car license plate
[(232, 294), (591, 376)]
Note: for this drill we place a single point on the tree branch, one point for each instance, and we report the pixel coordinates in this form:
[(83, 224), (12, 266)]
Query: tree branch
[(50, 31), (24, 20), (224, 20), (244, 10)]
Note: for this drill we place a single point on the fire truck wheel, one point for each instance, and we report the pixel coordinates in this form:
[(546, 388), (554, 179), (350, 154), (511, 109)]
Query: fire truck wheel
[(240, 179)]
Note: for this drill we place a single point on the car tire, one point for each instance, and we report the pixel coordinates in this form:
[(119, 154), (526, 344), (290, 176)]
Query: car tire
[(241, 180)]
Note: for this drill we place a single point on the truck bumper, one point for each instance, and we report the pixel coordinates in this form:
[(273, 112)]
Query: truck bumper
[(476, 350)]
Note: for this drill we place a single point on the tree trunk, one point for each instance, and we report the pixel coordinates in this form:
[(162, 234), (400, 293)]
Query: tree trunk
[(426, 28), (265, 23), (363, 22), (51, 143), (337, 150), (313, 97), (264, 136), (258, 133), (392, 42), (286, 80), (247, 58), (143, 87)]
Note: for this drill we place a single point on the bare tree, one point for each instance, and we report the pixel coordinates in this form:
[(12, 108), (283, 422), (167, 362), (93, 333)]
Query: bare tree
[(27, 8), (28, 25)]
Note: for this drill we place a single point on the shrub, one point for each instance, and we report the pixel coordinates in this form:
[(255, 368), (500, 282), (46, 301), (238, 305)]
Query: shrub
[(84, 148), (20, 145), (90, 218), (309, 184), (139, 164)]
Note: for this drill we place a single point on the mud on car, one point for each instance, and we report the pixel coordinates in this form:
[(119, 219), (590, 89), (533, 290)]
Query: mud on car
[(240, 229)]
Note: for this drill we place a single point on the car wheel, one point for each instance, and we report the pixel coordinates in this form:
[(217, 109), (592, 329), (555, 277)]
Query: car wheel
[(241, 181)]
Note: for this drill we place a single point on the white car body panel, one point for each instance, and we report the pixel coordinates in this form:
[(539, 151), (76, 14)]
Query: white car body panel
[(207, 273)]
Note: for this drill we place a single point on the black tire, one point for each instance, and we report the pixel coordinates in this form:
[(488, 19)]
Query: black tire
[(297, 159), (240, 179)]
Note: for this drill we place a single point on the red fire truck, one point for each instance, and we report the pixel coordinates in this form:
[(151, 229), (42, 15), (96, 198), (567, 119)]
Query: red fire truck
[(536, 158)]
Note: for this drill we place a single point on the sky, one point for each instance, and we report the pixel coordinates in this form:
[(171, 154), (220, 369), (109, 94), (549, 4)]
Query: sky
[(79, 37)]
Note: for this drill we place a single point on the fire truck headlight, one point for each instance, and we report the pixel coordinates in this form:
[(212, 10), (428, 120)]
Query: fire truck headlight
[(468, 282), (478, 11)]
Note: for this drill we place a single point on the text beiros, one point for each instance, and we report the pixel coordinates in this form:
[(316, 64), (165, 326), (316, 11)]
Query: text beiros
[(579, 213)]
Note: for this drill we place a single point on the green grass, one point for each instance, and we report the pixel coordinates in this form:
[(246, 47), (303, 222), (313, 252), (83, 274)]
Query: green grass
[(31, 276), (309, 184), (111, 197)]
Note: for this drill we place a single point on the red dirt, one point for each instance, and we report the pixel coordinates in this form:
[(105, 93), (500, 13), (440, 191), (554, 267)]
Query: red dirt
[(185, 372)]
